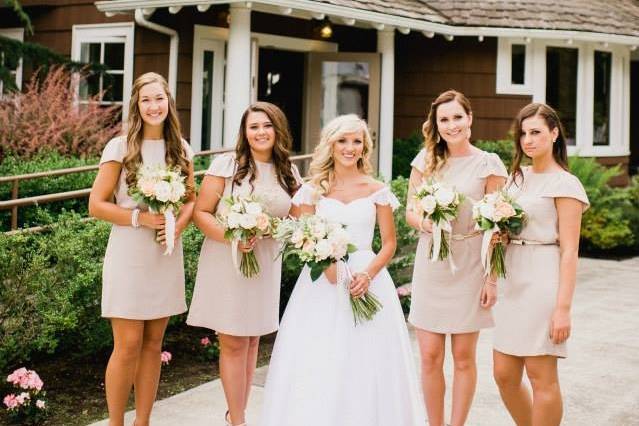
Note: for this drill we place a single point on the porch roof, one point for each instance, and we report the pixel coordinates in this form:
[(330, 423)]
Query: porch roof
[(615, 21)]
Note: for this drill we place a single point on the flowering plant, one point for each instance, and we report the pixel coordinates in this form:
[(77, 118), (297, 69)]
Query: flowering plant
[(440, 204), (210, 348), (244, 219), (166, 357), (319, 243), (497, 212), (163, 190), (27, 406)]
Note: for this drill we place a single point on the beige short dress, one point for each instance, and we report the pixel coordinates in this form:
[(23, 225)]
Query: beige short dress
[(442, 301), (528, 295), (223, 299), (138, 281)]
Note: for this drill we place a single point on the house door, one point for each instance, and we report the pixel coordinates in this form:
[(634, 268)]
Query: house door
[(207, 92), (342, 83)]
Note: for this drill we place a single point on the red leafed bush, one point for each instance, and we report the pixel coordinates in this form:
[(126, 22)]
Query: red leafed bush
[(47, 117)]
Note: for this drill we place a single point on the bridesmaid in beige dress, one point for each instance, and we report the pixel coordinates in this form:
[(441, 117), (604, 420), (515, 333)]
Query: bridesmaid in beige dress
[(533, 314), (141, 288), (445, 302), (241, 309)]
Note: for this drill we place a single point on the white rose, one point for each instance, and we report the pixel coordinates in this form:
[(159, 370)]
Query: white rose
[(297, 236), (444, 196), (237, 207), (248, 221), (487, 211), (233, 220), (308, 246), (323, 249), (162, 191), (428, 204), (253, 208)]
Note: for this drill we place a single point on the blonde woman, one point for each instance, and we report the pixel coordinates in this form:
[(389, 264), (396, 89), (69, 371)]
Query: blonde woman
[(446, 302), (141, 288), (325, 370)]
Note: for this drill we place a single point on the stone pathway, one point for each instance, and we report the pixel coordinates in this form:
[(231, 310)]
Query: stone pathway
[(600, 377)]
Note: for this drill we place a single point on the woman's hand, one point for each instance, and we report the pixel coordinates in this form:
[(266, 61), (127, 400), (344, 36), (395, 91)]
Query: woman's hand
[(331, 273), (360, 284), (488, 294), (160, 236), (151, 220), (560, 326), (247, 246)]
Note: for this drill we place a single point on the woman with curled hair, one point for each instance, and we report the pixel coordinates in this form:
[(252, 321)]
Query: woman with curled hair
[(141, 287), (446, 301), (325, 369), (532, 319), (242, 309)]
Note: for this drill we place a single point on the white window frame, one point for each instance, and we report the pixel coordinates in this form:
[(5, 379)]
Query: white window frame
[(100, 33), (15, 34), (505, 86)]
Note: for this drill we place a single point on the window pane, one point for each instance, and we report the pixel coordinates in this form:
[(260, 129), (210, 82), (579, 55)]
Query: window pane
[(601, 119), (114, 86), (90, 86), (207, 94), (345, 89), (114, 56), (518, 63), (90, 52), (561, 87)]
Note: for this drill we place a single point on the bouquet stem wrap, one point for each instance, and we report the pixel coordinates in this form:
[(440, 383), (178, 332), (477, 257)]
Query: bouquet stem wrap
[(441, 247), (247, 265), (364, 307), (485, 248), (169, 231)]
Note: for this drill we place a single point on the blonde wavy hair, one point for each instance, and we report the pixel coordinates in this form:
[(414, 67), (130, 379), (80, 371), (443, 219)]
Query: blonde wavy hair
[(175, 155), (322, 168), (436, 147)]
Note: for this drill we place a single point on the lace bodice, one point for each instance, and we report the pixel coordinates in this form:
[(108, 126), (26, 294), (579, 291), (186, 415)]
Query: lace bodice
[(359, 215)]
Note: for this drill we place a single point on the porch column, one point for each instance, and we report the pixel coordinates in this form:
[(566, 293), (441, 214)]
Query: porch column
[(386, 46), (237, 94)]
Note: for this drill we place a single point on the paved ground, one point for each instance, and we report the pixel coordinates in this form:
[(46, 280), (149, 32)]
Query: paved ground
[(600, 377)]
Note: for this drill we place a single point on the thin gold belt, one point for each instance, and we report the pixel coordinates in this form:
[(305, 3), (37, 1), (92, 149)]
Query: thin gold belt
[(533, 243), (460, 237)]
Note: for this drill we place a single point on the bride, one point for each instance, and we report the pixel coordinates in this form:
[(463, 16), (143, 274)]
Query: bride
[(324, 369)]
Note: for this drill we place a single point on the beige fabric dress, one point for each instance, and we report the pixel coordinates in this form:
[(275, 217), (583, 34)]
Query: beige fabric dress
[(528, 294), (443, 301), (138, 281), (223, 299)]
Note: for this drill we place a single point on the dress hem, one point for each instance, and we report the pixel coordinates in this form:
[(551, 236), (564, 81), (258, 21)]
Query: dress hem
[(523, 355), (230, 333), (448, 331), (142, 317)]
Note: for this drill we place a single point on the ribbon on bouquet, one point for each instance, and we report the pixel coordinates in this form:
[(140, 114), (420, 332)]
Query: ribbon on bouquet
[(169, 231), (438, 233), (235, 248), (485, 248)]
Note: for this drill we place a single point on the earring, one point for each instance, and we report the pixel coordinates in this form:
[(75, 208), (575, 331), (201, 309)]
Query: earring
[(554, 140), (439, 139)]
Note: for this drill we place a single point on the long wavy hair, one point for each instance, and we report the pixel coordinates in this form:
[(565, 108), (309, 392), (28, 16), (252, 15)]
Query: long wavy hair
[(436, 147), (281, 148), (174, 155), (322, 168), (551, 118)]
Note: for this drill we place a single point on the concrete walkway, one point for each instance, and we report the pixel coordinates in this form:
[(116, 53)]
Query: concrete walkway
[(600, 377)]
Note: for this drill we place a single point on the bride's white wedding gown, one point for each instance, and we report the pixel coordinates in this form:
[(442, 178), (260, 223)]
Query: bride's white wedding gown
[(324, 370)]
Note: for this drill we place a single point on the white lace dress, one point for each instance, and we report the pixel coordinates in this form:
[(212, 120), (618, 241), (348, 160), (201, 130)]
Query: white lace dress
[(324, 370)]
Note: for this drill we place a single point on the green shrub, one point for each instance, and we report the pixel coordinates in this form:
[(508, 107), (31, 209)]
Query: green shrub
[(504, 148), (404, 150)]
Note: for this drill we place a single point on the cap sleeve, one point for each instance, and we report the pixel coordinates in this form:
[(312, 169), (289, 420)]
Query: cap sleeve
[(493, 166), (567, 186), (305, 195), (188, 150), (115, 150), (296, 174), (419, 162), (223, 166), (385, 197)]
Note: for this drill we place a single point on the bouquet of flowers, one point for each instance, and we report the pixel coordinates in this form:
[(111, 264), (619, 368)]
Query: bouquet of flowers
[(163, 190), (440, 204), (319, 243), (244, 219), (494, 213), (27, 406)]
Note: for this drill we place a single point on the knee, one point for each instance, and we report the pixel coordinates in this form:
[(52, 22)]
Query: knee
[(234, 347), (432, 361), (505, 378), (544, 389), (464, 360), (127, 349), (152, 344)]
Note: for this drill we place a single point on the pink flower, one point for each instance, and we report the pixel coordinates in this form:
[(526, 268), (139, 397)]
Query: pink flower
[(262, 222), (16, 377), (25, 379), (166, 357), (11, 401), (40, 404), (403, 291), (23, 397), (205, 341), (503, 210)]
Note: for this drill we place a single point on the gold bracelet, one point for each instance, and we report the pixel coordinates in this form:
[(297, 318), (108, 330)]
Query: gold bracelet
[(367, 275)]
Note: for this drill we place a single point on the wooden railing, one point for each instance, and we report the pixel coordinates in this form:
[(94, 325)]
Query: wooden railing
[(14, 203)]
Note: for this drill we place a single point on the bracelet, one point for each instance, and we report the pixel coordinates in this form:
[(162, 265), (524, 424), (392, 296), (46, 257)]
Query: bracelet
[(367, 275), (135, 218)]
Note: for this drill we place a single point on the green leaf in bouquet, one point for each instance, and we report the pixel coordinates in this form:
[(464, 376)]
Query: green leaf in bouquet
[(318, 268)]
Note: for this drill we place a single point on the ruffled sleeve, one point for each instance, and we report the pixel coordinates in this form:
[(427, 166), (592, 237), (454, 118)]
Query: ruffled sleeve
[(419, 162), (115, 150), (492, 166), (566, 186), (306, 195), (296, 174), (223, 166), (187, 150), (385, 197)]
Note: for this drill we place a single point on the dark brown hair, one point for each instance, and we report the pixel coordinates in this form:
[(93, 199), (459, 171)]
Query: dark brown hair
[(436, 148), (281, 155), (551, 118), (175, 156)]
